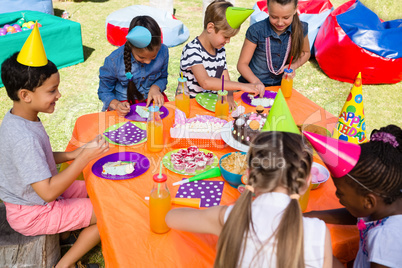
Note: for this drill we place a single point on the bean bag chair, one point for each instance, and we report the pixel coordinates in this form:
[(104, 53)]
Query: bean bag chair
[(45, 6), (174, 32), (353, 39), (314, 12)]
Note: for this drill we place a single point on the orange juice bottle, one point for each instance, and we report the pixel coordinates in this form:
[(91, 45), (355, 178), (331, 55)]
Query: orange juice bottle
[(182, 98), (303, 201), (154, 131), (159, 204), (222, 105), (287, 83)]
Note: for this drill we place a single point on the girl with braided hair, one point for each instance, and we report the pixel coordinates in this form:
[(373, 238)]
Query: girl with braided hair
[(265, 227), (135, 72), (372, 195)]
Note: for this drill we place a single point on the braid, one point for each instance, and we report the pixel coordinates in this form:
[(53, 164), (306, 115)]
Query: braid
[(132, 91), (379, 166)]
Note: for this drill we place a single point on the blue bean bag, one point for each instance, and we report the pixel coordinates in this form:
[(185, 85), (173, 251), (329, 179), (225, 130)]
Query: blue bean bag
[(353, 39), (314, 12), (174, 32)]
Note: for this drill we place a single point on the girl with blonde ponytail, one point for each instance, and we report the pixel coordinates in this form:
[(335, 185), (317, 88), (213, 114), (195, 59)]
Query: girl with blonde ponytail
[(265, 228)]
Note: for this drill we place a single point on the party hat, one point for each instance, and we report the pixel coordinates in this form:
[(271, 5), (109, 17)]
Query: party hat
[(139, 37), (351, 124), (279, 117), (32, 52), (237, 15), (339, 156)]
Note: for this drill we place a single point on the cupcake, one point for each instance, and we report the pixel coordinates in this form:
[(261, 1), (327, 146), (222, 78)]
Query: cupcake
[(201, 165), (190, 168), (179, 165), (209, 157), (259, 109)]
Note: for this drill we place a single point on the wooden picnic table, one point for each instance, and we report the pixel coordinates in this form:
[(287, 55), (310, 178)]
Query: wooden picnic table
[(122, 211)]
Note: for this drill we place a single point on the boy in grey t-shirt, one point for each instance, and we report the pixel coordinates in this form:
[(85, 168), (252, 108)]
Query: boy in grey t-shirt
[(38, 199)]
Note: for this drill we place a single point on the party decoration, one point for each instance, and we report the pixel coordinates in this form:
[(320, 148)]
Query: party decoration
[(351, 126), (339, 156), (279, 117), (139, 37), (32, 52), (210, 192), (237, 15)]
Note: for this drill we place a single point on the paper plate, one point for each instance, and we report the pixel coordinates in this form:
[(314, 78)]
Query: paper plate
[(134, 116), (226, 134), (169, 165), (268, 94), (141, 166), (207, 100), (126, 131)]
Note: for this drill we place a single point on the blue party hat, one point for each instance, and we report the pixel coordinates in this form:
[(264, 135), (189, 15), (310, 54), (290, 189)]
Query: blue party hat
[(139, 37)]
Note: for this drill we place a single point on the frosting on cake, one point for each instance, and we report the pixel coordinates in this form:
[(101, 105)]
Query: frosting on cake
[(265, 102), (247, 126), (118, 168), (191, 159), (142, 111)]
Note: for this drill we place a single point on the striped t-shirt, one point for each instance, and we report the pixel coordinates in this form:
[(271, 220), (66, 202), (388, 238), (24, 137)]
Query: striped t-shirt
[(194, 53)]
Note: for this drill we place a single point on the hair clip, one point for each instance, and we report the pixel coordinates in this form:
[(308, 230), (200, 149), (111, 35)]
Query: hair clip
[(385, 137), (129, 75)]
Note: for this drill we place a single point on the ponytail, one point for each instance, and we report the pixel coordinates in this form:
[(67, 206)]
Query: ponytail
[(297, 39), (233, 233), (132, 91)]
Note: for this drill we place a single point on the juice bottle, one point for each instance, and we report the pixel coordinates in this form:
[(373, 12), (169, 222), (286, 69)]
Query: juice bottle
[(159, 204), (287, 83), (154, 130), (222, 105), (303, 201), (182, 98)]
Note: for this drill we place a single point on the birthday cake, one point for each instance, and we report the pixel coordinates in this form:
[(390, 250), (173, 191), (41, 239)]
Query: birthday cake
[(247, 126), (191, 159), (118, 168)]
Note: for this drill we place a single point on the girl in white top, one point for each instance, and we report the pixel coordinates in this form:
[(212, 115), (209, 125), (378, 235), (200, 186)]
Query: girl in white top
[(268, 230)]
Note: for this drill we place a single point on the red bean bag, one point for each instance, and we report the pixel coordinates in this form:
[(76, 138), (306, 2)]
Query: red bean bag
[(353, 39)]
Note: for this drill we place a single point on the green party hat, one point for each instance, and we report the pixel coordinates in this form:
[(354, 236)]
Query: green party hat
[(279, 117), (237, 15)]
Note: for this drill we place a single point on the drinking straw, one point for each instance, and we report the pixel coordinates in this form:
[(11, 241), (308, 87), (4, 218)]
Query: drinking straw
[(223, 85), (182, 83), (160, 176), (291, 58)]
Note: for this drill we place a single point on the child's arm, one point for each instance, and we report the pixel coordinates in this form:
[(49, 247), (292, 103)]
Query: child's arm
[(155, 91), (208, 220), (215, 84), (243, 67), (305, 55), (108, 79), (51, 188), (328, 257), (333, 216)]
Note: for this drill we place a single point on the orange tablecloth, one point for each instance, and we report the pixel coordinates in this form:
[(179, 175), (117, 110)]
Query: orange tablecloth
[(122, 211)]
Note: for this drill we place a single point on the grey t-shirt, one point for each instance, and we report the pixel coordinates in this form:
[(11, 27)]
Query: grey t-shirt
[(26, 157)]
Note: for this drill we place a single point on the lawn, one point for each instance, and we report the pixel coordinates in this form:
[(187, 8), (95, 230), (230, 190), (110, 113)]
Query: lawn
[(79, 83)]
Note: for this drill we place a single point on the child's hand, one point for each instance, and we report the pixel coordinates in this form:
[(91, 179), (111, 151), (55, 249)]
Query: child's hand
[(256, 89), (261, 89), (232, 103), (291, 75), (155, 95), (122, 108), (94, 148)]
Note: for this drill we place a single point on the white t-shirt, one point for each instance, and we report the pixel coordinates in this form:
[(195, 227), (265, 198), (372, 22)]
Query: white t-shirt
[(26, 157), (380, 242), (193, 54), (266, 215)]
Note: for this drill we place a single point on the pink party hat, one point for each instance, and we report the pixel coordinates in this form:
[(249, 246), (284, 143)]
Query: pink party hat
[(339, 156)]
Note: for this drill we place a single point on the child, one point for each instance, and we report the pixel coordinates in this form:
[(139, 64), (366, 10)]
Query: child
[(38, 200), (372, 195), (132, 74), (203, 60), (276, 233), (270, 43)]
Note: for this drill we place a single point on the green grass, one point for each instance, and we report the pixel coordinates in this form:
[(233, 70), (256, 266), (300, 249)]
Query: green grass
[(79, 83)]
